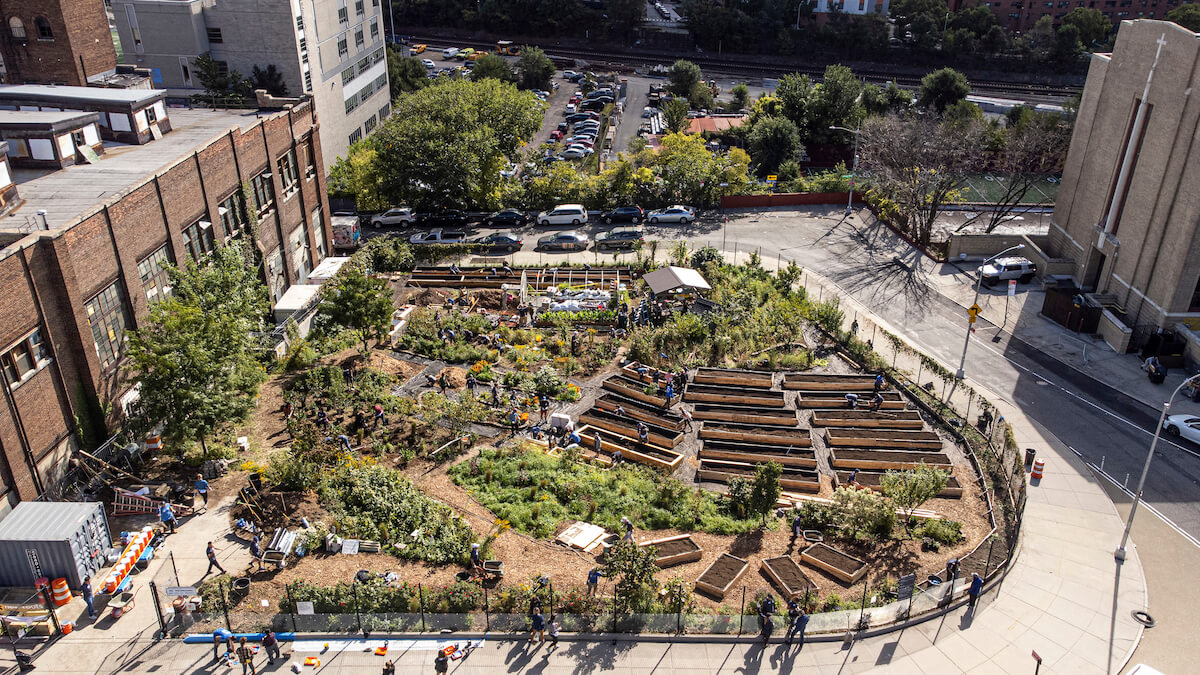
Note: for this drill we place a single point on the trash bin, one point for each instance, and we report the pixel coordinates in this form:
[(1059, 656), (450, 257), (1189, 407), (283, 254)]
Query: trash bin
[(1030, 454)]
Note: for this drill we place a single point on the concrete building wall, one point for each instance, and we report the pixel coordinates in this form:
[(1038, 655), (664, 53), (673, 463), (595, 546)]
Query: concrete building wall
[(1149, 260), (256, 33), (163, 35), (75, 47)]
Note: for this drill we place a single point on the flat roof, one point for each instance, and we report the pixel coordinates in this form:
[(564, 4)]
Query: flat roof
[(65, 92), (45, 521), (14, 118), (66, 194)]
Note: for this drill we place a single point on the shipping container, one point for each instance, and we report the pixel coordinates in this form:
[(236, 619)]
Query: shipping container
[(53, 540)]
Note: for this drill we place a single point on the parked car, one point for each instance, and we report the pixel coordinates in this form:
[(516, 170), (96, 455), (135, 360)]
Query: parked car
[(624, 214), (572, 76), (556, 134), (620, 239), (429, 64), (570, 109), (1187, 426), (581, 148), (506, 218), (563, 126), (563, 214), (582, 116), (438, 236), (500, 241), (563, 241), (672, 214), (451, 217), (1003, 269), (402, 216), (419, 49), (573, 153), (594, 105)]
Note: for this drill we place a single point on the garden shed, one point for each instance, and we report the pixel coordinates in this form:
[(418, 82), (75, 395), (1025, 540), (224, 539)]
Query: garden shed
[(672, 280), (53, 540)]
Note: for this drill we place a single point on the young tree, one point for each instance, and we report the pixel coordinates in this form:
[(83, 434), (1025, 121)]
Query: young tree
[(943, 88), (773, 141), (910, 489), (700, 97), (269, 78), (632, 569), (1186, 15), (682, 76), (534, 69), (193, 357), (219, 82), (675, 115), (741, 95), (764, 492), (493, 66), (1094, 27), (863, 512), (405, 73), (357, 175), (358, 302)]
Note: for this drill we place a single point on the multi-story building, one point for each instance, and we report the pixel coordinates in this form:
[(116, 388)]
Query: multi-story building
[(81, 262), (332, 50), (857, 7), (1128, 211), (55, 42)]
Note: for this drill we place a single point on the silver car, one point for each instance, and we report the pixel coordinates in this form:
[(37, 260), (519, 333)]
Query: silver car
[(563, 241), (672, 214)]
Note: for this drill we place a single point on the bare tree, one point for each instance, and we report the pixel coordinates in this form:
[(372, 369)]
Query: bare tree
[(919, 165), (1034, 148)]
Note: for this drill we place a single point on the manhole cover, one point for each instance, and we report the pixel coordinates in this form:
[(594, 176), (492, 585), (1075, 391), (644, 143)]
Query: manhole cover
[(1143, 618)]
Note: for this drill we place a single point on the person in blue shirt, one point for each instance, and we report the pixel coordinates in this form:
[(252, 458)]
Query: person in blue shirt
[(593, 581), (974, 590), (797, 628), (201, 486), (167, 516), (670, 393)]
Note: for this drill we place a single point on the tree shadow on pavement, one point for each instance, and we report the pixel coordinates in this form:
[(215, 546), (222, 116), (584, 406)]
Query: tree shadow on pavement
[(591, 656), (892, 281)]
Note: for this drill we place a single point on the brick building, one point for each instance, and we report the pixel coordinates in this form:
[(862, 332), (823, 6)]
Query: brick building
[(79, 269), (55, 42), (1128, 212)]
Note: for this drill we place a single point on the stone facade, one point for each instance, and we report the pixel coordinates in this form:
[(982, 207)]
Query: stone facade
[(56, 42)]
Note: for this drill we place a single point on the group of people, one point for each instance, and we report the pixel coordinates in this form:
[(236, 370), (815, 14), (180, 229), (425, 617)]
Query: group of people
[(797, 620), (876, 398), (242, 652)]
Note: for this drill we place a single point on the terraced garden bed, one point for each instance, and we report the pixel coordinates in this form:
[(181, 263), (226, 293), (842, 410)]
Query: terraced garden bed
[(881, 419), (753, 433), (634, 390), (860, 458), (882, 438), (631, 449), (793, 478), (842, 383), (677, 550), (822, 399), (789, 579), (707, 393), (751, 454), (626, 426), (640, 411), (721, 575), (738, 378), (842, 566), (874, 481), (745, 415)]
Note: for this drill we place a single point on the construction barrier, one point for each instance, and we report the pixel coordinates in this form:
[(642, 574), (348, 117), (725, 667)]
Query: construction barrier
[(133, 551), (62, 592), (1038, 467), (153, 442)]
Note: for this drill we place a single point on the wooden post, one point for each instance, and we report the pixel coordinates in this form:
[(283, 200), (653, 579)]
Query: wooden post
[(742, 611)]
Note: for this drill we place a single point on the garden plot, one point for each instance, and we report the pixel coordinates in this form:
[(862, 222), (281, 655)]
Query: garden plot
[(874, 481), (822, 399), (671, 551), (828, 559), (882, 419), (625, 426), (748, 453), (631, 388), (721, 575), (630, 370), (666, 419), (858, 458), (882, 438), (537, 278), (758, 379), (632, 449), (825, 382), (717, 412), (792, 478), (746, 396), (753, 433), (787, 576)]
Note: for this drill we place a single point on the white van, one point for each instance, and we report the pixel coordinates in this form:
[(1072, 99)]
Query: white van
[(563, 214), (449, 53)]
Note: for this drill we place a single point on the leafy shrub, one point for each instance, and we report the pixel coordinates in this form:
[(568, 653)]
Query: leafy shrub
[(816, 516), (864, 512), (947, 532), (196, 456), (706, 255)]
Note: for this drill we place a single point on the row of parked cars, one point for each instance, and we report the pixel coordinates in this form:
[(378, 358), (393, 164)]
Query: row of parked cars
[(563, 214), (619, 239)]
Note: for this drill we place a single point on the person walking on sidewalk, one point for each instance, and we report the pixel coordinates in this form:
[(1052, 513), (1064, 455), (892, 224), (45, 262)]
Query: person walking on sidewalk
[(201, 486), (441, 663), (539, 626), (799, 623), (211, 552), (167, 516), (974, 590), (246, 655), (88, 596), (553, 630), (270, 642)]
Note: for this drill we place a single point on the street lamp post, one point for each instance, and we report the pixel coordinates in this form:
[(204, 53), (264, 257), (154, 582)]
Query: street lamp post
[(854, 168), (1137, 497), (978, 282)]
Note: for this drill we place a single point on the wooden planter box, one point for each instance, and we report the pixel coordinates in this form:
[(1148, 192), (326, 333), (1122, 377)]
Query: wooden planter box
[(818, 399), (805, 457), (842, 383), (787, 576), (626, 426), (739, 378), (883, 438), (840, 565), (874, 481), (640, 411), (758, 416), (752, 433), (705, 393), (629, 389), (793, 478), (677, 550), (721, 575), (629, 370), (858, 458), (882, 419), (631, 449)]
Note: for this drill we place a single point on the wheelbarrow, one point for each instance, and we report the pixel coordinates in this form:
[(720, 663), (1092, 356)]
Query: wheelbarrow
[(493, 569), (122, 602)]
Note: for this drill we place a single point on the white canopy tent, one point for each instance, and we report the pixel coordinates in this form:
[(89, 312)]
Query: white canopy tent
[(675, 280)]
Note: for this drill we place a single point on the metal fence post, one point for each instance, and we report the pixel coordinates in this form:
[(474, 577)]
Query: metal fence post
[(551, 599), (486, 614), (292, 603), (614, 609), (863, 610), (357, 611), (162, 623), (225, 608), (421, 596), (987, 563), (742, 612)]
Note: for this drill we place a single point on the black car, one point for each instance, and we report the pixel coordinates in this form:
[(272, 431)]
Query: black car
[(450, 218), (579, 117), (500, 241), (620, 239), (507, 218), (562, 126), (623, 214), (596, 104)]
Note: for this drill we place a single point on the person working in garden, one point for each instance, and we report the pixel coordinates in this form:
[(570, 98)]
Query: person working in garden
[(643, 432), (201, 486), (476, 559), (167, 516), (670, 394), (687, 418), (798, 624), (851, 400), (256, 552), (877, 402), (593, 580), (627, 525), (544, 406), (878, 382)]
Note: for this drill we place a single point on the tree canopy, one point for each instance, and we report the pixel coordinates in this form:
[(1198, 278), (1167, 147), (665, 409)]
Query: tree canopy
[(405, 73), (943, 88), (1186, 15), (682, 76), (772, 142), (534, 69), (493, 66), (357, 302)]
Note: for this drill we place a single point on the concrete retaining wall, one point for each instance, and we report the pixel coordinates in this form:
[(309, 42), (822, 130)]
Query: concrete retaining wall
[(788, 199), (1115, 333), (982, 246)]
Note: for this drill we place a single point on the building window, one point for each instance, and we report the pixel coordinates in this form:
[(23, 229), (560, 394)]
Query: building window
[(356, 136), (347, 75), (264, 193), (289, 176), (363, 65), (351, 104), (369, 125), (318, 225), (304, 46), (198, 239), (359, 40), (343, 15), (16, 28), (25, 358), (108, 316), (343, 48), (214, 35), (222, 68), (381, 81), (307, 158), (358, 7), (385, 111), (155, 280), (308, 80), (374, 29), (377, 56), (299, 23), (233, 214), (43, 28)]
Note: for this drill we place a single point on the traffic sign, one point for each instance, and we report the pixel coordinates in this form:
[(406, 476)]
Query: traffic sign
[(772, 178), (182, 591), (973, 311)]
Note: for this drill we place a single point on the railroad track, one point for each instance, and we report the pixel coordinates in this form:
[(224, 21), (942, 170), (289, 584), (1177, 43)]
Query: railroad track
[(738, 67)]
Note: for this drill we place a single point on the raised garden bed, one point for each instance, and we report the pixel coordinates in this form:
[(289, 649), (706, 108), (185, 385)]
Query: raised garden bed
[(881, 419), (820, 399), (705, 393), (538, 278), (626, 426), (859, 458), (630, 371), (842, 383), (753, 433), (874, 481), (793, 478), (750, 454), (631, 389), (640, 411), (732, 413), (828, 559), (721, 575), (738, 378), (883, 438), (789, 579), (631, 449), (675, 550)]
